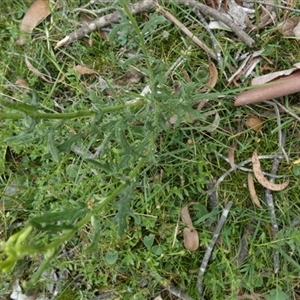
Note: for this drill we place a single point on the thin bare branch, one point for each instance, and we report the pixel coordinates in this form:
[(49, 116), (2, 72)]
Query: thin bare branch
[(147, 5), (210, 247), (177, 292), (186, 31), (270, 202)]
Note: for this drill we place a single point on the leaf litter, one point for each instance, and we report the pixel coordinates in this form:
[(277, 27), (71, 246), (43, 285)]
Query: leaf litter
[(37, 12), (190, 234)]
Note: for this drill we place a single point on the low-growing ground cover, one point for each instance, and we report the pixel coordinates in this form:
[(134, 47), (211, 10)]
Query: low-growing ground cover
[(95, 170)]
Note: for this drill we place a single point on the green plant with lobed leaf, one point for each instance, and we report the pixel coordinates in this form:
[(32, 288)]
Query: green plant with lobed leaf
[(127, 127)]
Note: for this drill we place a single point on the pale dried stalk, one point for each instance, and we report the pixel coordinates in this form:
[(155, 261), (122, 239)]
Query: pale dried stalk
[(186, 31)]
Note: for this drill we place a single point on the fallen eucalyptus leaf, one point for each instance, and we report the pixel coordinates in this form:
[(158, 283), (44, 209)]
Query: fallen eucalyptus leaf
[(37, 12), (261, 177), (277, 88), (213, 75), (190, 239), (82, 70), (252, 191)]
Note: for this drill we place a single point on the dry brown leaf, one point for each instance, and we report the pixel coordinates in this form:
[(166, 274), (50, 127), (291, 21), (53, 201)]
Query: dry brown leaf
[(262, 179), (185, 217), (213, 75), (252, 191), (21, 82), (231, 155), (254, 123), (36, 71), (190, 239), (274, 75), (212, 80), (287, 28), (82, 70), (36, 13)]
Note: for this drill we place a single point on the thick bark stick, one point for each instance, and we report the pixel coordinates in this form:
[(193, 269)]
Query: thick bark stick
[(277, 88)]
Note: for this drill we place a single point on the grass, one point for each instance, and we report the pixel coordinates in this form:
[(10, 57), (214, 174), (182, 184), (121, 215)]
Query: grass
[(107, 223)]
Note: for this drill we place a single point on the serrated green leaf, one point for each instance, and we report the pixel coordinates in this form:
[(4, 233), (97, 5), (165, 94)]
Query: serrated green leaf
[(121, 138), (66, 145), (102, 166), (155, 20), (52, 147), (124, 210), (29, 122)]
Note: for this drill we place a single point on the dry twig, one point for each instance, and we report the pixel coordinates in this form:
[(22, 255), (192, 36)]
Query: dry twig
[(213, 39), (280, 133), (186, 31), (146, 5), (211, 246), (270, 202), (177, 292)]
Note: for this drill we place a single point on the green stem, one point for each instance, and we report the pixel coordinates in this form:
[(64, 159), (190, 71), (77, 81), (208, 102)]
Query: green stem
[(32, 111)]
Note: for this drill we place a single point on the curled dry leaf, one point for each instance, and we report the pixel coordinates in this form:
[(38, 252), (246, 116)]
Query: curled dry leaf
[(190, 239), (130, 77), (36, 13), (213, 75), (252, 191), (213, 78), (21, 82), (274, 75), (289, 27), (254, 123), (262, 179), (82, 70), (247, 65)]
